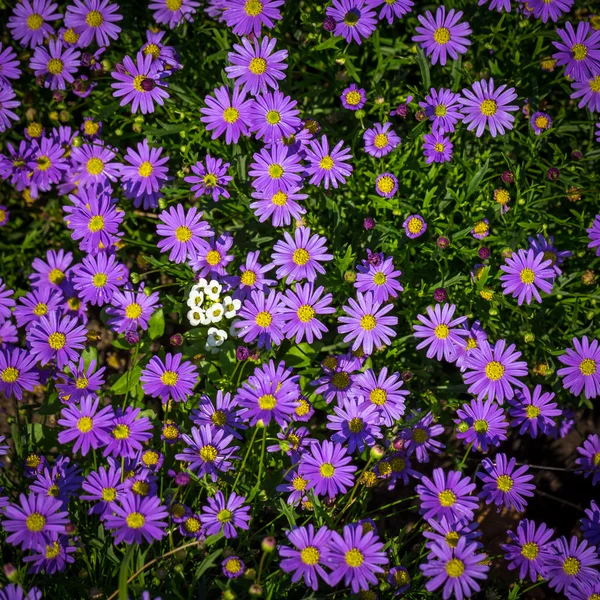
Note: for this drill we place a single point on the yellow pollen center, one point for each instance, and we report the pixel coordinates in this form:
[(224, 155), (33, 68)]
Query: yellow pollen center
[(571, 566), (43, 163), (141, 488), (33, 461), (303, 408), (57, 340), (480, 426), (326, 163), (494, 370), (276, 171), (267, 402), (192, 525), (35, 522), (9, 375), (441, 35), (96, 223), (213, 258), (183, 234), (218, 418), (145, 169), (257, 66), (55, 66), (34, 21), (231, 115), (173, 4), (135, 520), (579, 51), (398, 464), (541, 122), (595, 84), (354, 558), (299, 483), (301, 256), (415, 225), (355, 425), (447, 498), (455, 567), (440, 110), (133, 311), (587, 367), (169, 378), (40, 309), (35, 129), (53, 550), (439, 147), (527, 276), (248, 278), (351, 18), (327, 470), (368, 322), (90, 128), (85, 424), (306, 313), (452, 538), (137, 83), (419, 435), (442, 331), (381, 140), (99, 280), (378, 396), (532, 411), (120, 432), (353, 98), (340, 380), (208, 453), (209, 180), (310, 555), (385, 184), (170, 432), (488, 108), (505, 483), (94, 18), (530, 550), (279, 199), (253, 8), (153, 50), (56, 276), (150, 458), (273, 117), (94, 166), (263, 319)]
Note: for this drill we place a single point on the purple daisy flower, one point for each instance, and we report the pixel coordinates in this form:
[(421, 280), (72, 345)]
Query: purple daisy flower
[(481, 423), (365, 323), (80, 382), (327, 468), (85, 424), (213, 257), (7, 101), (94, 166), (493, 371), (440, 332), (56, 64), (135, 519), (540, 122), (257, 67), (10, 65), (530, 549), (533, 412), (139, 83), (275, 169), (414, 226), (581, 372), (588, 462), (224, 414), (386, 185), (418, 439), (6, 301), (380, 279), (280, 206), (525, 272), (380, 140), (457, 569), (145, 174), (17, 372), (225, 515), (353, 97), (582, 590), (443, 109), (52, 272), (208, 452), (247, 16), (98, 277), (183, 232), (127, 433), (253, 276), (173, 12), (52, 558), (93, 19), (590, 524), (228, 115), (589, 92), (505, 485), (383, 392), (172, 379), (549, 9), (395, 467), (28, 21), (13, 591), (356, 423), (390, 11), (355, 20), (338, 380), (302, 305), (311, 552), (356, 557), (488, 106), (447, 495), (329, 167), (233, 567), (36, 304), (437, 148), (481, 229), (166, 56), (475, 335), (447, 533), (210, 180), (130, 310), (546, 247), (260, 317), (442, 35), (8, 335), (56, 338), (571, 562), (274, 116), (48, 164)]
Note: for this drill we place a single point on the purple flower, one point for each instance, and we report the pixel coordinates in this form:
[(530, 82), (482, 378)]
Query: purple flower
[(10, 65), (533, 412), (98, 277), (353, 97), (53, 558), (310, 553), (540, 122), (581, 371), (338, 380), (442, 35), (525, 272), (56, 64), (380, 279), (280, 206), (131, 310), (589, 92), (549, 9), (381, 140), (173, 12), (443, 109), (582, 590), (257, 67), (228, 115), (383, 392), (325, 165), (211, 180), (571, 562), (274, 116), (590, 524), (94, 166), (48, 164), (386, 185), (17, 372), (126, 434), (588, 462), (487, 106), (440, 331), (52, 272), (93, 19), (253, 276), (212, 256), (389, 11), (7, 101), (414, 226), (356, 557), (447, 533), (36, 304), (28, 21), (260, 317), (546, 247), (13, 591), (247, 16), (172, 379), (85, 425), (481, 423), (356, 423), (135, 519), (493, 371), (437, 148), (418, 439), (275, 169), (327, 468), (225, 414), (233, 567), (354, 19), (481, 229), (225, 515)]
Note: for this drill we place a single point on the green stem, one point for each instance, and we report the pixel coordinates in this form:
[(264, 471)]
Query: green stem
[(464, 460), (241, 469)]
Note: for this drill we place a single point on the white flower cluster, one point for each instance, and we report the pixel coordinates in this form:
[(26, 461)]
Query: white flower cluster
[(207, 307)]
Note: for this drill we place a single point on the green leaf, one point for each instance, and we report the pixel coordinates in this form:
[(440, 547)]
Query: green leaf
[(127, 381), (156, 324), (477, 178), (89, 354), (124, 573), (332, 42), (424, 67), (207, 563)]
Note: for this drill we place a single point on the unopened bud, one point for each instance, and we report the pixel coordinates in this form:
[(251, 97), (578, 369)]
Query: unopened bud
[(268, 544)]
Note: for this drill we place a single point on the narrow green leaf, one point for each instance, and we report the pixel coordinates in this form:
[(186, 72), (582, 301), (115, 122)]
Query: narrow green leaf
[(124, 573)]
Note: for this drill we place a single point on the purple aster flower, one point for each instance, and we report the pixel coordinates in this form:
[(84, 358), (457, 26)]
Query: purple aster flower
[(8, 334), (31, 523), (327, 468), (260, 317), (553, 9), (97, 278), (6, 301), (493, 371), (443, 109), (457, 569), (257, 67), (224, 414), (247, 16), (172, 379), (582, 590), (233, 567), (36, 304), (145, 173), (28, 21), (481, 423), (594, 234), (94, 165), (488, 106), (588, 462), (380, 140), (211, 180), (310, 553), (540, 122), (414, 226), (546, 247), (212, 256), (589, 92), (173, 12), (571, 562), (590, 524), (390, 11), (440, 332), (327, 166), (131, 310), (384, 393), (183, 232), (225, 515), (442, 35), (80, 381), (9, 68), (280, 206), (418, 439), (48, 164), (17, 372), (135, 519), (399, 576), (85, 424), (355, 20), (447, 533), (192, 527), (56, 338), (475, 335), (437, 148), (481, 229), (207, 451), (533, 412), (52, 272), (55, 64), (139, 83), (52, 558), (275, 169), (581, 372), (253, 276), (93, 19), (353, 97), (529, 549), (355, 557), (274, 116), (380, 279), (302, 305), (7, 101), (386, 185), (338, 380), (296, 485), (447, 495), (505, 485), (229, 115), (395, 467), (63, 481), (126, 433), (356, 423), (13, 591), (166, 56)]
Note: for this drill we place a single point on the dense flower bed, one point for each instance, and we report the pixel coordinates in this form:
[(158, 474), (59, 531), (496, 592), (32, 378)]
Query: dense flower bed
[(286, 288)]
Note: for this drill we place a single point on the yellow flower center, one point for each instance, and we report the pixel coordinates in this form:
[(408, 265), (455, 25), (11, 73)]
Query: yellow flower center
[(141, 488), (353, 98), (43, 163), (455, 567), (145, 169), (233, 565), (379, 278), (120, 432), (94, 18), (35, 522), (35, 129), (137, 83), (153, 50), (218, 418), (415, 225), (301, 256), (530, 550), (471, 343), (173, 4), (481, 227), (56, 276), (90, 128), (381, 140), (505, 483), (40, 309), (442, 331), (355, 425), (488, 108), (378, 396), (213, 258), (169, 378), (579, 51), (85, 424), (340, 380), (253, 8), (208, 453), (310, 555), (440, 110), (33, 461), (595, 84), (276, 171), (527, 276), (571, 566), (170, 432), (385, 184), (452, 538), (439, 147), (480, 426), (587, 367), (192, 524), (541, 122), (34, 21), (447, 498), (351, 18), (532, 411), (305, 313), (327, 470), (9, 375), (96, 223), (597, 459), (326, 163), (52, 551), (303, 408), (502, 196), (57, 340), (133, 311), (494, 370), (135, 520), (267, 402), (224, 516), (248, 278), (419, 435), (55, 66), (441, 35), (398, 464), (354, 558), (368, 322), (273, 117), (183, 234), (257, 66), (263, 319), (209, 180), (279, 199), (94, 166), (100, 280)]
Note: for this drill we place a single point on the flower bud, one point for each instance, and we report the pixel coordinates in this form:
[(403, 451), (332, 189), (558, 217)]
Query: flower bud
[(398, 444), (242, 353), (377, 452), (360, 114), (176, 340), (255, 590), (443, 242), (529, 337), (250, 574), (11, 573), (369, 223), (407, 376), (462, 427), (350, 276), (228, 595), (484, 252), (440, 295), (132, 337), (268, 544)]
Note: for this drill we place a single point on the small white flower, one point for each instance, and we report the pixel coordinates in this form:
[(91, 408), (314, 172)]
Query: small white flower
[(231, 307), (215, 312), (196, 316), (195, 299), (216, 337), (213, 289)]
